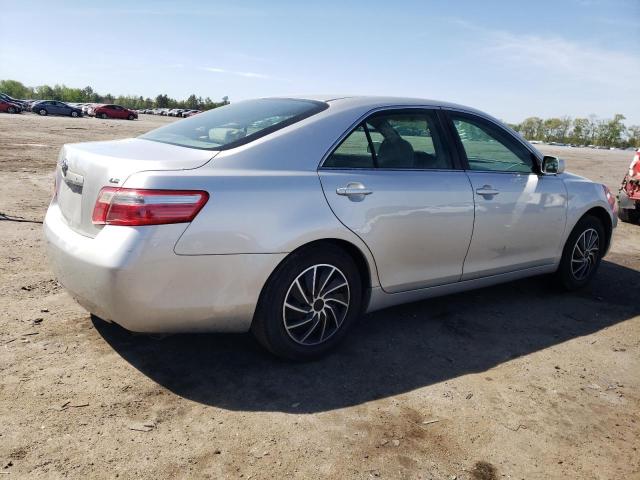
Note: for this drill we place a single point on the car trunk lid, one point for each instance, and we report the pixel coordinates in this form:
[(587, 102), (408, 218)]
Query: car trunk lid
[(84, 168)]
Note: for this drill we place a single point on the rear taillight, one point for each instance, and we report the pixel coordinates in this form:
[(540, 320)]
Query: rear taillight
[(132, 206), (610, 198)]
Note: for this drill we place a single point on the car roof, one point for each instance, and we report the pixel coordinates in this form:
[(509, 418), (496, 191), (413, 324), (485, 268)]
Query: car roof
[(336, 101)]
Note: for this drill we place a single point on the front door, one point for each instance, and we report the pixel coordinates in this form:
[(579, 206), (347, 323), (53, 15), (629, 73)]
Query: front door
[(520, 214), (392, 181)]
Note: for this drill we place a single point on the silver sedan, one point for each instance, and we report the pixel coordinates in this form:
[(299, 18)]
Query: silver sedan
[(291, 217)]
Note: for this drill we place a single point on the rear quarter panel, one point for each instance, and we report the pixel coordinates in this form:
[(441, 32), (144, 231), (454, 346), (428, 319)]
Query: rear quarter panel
[(254, 212)]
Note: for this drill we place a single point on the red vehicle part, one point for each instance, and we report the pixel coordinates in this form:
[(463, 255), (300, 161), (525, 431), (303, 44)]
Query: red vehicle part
[(631, 182), (629, 195)]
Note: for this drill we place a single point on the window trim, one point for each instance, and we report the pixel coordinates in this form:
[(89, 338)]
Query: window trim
[(462, 153), (456, 161)]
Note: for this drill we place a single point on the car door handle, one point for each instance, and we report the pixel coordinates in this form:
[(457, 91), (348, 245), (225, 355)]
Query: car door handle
[(353, 189), (487, 190)]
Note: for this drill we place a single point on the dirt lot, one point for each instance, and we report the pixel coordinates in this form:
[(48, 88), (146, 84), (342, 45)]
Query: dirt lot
[(514, 381)]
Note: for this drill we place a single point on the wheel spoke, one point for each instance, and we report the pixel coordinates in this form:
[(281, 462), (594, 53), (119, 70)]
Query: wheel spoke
[(304, 295), (326, 280), (297, 309), (333, 314), (313, 284), (337, 301), (578, 249), (334, 288), (324, 324), (313, 327), (299, 324)]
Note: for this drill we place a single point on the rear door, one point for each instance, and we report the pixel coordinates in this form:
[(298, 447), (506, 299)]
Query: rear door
[(394, 182), (520, 214)]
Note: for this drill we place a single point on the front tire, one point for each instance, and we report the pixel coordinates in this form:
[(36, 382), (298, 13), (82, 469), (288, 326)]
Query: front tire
[(582, 253), (308, 303), (11, 110), (43, 112), (74, 114), (103, 116), (131, 117)]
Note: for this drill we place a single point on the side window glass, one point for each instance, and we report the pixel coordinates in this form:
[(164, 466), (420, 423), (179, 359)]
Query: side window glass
[(408, 141), (353, 152), (489, 148)]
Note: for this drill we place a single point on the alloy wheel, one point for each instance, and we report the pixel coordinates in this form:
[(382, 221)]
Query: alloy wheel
[(316, 304), (585, 254)]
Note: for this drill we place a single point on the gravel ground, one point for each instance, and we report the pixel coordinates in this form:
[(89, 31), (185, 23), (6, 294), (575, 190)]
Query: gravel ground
[(513, 381)]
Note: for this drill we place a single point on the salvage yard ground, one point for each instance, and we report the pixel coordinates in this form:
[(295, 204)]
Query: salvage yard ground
[(514, 381)]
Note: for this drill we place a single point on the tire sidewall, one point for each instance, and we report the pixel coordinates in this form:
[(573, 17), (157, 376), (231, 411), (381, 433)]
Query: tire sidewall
[(564, 271), (42, 112), (268, 326)]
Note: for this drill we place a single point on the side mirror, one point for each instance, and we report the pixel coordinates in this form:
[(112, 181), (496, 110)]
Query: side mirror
[(552, 165)]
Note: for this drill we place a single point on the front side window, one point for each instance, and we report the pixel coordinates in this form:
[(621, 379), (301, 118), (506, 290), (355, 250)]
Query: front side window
[(235, 124), (489, 148), (402, 140)]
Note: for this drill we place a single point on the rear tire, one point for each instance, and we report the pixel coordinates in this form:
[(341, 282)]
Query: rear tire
[(43, 112), (308, 303), (629, 215), (582, 254)]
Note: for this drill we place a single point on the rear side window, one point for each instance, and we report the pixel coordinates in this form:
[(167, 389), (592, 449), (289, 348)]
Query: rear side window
[(398, 141), (235, 124), (353, 152)]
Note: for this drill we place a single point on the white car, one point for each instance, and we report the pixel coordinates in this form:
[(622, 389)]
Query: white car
[(290, 217)]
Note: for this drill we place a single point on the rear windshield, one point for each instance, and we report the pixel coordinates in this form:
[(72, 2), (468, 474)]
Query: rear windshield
[(235, 124)]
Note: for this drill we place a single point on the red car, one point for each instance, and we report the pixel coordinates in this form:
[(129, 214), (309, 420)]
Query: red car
[(629, 195), (9, 107), (114, 111)]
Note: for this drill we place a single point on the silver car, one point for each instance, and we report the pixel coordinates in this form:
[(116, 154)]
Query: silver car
[(290, 217)]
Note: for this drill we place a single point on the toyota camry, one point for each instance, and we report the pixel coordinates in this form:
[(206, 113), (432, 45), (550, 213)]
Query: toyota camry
[(291, 217)]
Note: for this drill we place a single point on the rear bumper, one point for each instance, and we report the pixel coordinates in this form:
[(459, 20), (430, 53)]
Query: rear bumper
[(131, 276)]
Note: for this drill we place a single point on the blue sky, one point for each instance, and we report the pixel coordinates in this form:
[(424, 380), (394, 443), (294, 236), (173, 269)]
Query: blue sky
[(510, 58)]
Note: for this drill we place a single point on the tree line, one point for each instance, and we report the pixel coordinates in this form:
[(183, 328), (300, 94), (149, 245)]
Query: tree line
[(63, 93), (610, 132), (592, 130)]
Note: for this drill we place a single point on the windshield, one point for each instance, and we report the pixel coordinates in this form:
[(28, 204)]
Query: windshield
[(235, 124)]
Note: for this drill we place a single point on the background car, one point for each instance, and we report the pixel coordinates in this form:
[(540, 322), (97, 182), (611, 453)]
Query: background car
[(114, 111), (629, 194), (55, 107), (9, 107), (21, 103)]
